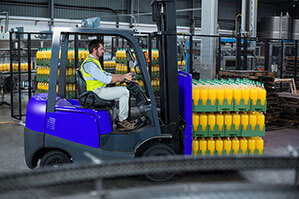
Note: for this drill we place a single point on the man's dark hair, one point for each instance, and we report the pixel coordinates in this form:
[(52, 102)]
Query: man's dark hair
[(94, 44)]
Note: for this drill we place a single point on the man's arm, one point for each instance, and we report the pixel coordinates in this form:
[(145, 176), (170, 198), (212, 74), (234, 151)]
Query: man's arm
[(103, 76), (119, 78)]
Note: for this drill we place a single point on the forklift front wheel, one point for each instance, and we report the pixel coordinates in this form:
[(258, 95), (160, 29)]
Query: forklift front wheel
[(159, 149), (54, 159)]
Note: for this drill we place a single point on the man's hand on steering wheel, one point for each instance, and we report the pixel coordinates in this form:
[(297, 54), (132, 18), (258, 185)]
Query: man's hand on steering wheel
[(128, 76)]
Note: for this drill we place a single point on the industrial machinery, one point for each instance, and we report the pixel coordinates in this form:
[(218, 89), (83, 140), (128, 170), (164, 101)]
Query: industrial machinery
[(60, 130)]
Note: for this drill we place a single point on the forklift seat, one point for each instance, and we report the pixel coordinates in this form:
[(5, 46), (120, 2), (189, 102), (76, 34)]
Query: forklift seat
[(88, 99)]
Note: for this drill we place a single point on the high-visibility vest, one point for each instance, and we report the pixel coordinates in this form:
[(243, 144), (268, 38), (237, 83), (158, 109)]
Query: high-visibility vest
[(91, 83)]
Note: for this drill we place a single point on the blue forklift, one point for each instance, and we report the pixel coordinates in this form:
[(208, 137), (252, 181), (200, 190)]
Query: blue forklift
[(60, 130)]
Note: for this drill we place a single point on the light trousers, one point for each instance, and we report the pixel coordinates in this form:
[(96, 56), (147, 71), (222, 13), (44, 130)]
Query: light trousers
[(116, 93)]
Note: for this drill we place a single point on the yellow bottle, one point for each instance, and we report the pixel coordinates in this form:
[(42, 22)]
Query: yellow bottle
[(260, 120), (235, 145), (212, 96), (158, 81), (211, 121), (203, 146), (228, 121), (74, 88), (203, 121), (204, 95), (47, 71), (219, 146), (70, 88), (7, 67), (220, 95), (245, 95), (236, 121), (227, 145), (244, 121), (260, 145), (220, 121), (14, 67), (228, 95), (252, 120), (67, 89), (117, 55), (251, 145), (22, 67), (243, 145), (195, 146), (253, 92), (262, 95), (117, 68), (237, 95), (195, 94), (122, 68), (37, 56), (211, 145)]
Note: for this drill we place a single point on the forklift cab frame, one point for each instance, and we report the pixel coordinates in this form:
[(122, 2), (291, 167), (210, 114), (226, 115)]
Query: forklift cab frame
[(66, 127)]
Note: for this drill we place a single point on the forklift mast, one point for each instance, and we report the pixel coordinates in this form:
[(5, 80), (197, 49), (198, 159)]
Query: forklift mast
[(164, 14)]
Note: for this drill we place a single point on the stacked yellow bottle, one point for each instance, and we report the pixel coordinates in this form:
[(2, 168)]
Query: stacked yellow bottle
[(227, 120), (43, 57), (109, 64), (228, 146), (5, 67), (220, 121), (228, 131), (244, 91)]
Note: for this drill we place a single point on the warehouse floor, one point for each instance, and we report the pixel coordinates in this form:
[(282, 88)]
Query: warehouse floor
[(12, 152), (276, 143)]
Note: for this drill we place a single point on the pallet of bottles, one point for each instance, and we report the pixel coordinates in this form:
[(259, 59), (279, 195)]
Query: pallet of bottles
[(121, 57), (228, 124), (181, 65), (121, 68), (15, 67), (110, 65), (228, 146), (43, 73), (43, 56), (228, 95), (70, 89), (155, 71)]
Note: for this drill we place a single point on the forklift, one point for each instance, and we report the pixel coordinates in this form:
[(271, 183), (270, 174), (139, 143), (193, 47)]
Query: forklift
[(60, 130)]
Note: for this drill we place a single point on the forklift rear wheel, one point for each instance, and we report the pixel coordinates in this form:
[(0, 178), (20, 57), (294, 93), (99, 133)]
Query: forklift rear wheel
[(54, 159), (159, 149)]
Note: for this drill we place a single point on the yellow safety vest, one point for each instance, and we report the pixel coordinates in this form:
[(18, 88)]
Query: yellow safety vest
[(91, 83)]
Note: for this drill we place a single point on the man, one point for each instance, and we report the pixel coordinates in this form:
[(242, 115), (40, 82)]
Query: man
[(97, 79)]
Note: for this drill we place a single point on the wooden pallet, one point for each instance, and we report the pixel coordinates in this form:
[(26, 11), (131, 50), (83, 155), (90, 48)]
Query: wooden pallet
[(246, 73), (289, 81)]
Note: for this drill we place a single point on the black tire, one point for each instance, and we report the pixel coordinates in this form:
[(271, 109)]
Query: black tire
[(54, 159), (158, 149)]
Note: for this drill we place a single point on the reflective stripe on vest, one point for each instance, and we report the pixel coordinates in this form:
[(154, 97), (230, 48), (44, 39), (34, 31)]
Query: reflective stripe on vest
[(91, 83)]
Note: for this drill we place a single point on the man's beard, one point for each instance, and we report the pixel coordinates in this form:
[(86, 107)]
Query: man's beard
[(99, 55)]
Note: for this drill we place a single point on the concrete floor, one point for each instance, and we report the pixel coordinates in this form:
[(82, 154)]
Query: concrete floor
[(12, 142), (276, 142)]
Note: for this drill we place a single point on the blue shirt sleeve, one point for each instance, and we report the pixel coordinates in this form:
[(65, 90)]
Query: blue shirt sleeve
[(97, 74)]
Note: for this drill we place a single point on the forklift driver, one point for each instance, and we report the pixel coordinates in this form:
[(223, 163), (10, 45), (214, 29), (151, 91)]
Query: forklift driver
[(97, 79)]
